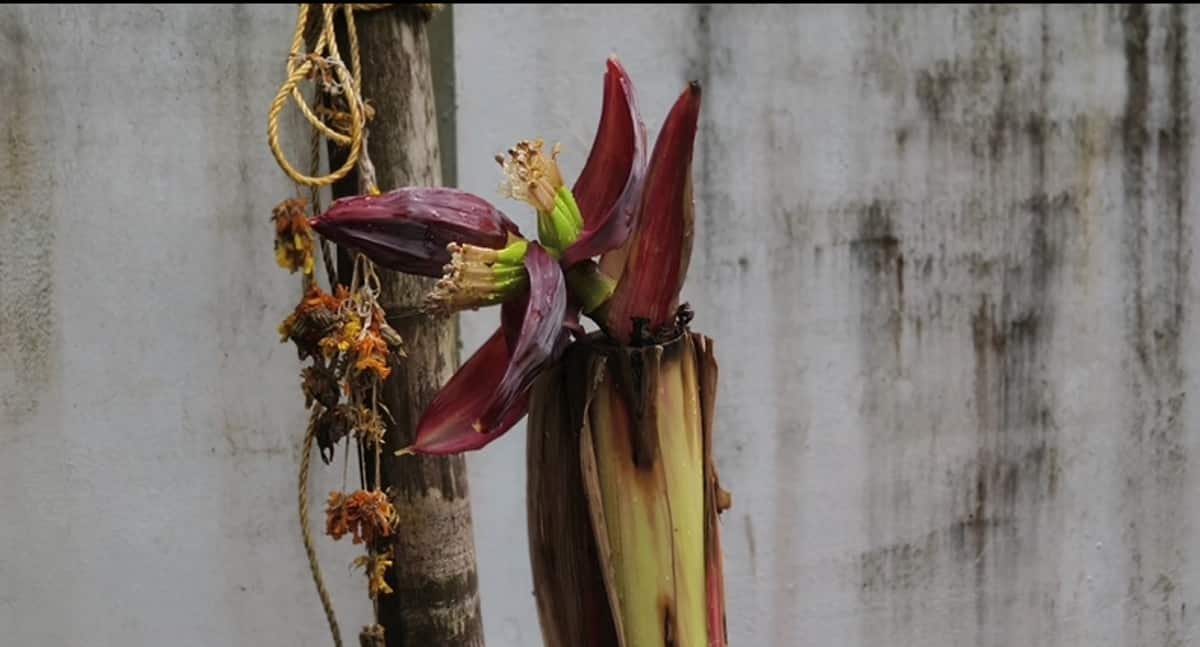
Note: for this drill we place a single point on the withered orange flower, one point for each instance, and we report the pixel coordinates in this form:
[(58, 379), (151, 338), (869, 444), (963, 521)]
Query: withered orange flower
[(337, 522), (314, 317), (293, 236), (318, 299), (369, 516), (344, 337), (376, 567), (371, 354)]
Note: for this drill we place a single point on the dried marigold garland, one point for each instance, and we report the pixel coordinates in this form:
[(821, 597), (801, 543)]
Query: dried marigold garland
[(347, 337), (350, 346), (293, 238), (345, 334), (368, 516)]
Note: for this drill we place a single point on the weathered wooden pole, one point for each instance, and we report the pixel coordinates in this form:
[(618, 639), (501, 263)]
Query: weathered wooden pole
[(435, 600)]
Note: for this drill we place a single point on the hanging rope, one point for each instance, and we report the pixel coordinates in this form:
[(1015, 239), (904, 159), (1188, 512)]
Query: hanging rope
[(306, 531), (323, 64), (319, 63)]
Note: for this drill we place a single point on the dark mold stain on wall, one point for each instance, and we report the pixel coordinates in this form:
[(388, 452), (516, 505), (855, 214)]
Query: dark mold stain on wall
[(876, 248), (882, 64), (876, 252), (980, 102), (988, 267), (877, 284), (1017, 465), (28, 324), (935, 90), (1155, 144), (1134, 139)]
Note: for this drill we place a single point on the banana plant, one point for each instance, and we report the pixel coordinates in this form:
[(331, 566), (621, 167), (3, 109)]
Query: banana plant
[(622, 491)]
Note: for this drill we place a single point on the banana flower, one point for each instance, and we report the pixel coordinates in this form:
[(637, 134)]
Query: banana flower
[(622, 489), (483, 259)]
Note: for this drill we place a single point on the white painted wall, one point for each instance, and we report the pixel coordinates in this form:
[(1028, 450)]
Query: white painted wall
[(149, 417), (954, 302), (946, 254)]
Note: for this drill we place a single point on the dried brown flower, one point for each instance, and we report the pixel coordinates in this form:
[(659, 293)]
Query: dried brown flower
[(371, 354), (320, 384), (376, 566), (344, 337), (314, 318), (293, 236), (332, 426), (369, 426), (369, 516)]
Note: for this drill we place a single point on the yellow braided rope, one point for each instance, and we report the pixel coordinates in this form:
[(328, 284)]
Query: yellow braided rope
[(352, 35), (314, 566), (273, 130), (298, 70)]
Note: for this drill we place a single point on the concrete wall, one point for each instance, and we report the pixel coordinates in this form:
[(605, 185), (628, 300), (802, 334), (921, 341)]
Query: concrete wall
[(946, 254), (149, 418)]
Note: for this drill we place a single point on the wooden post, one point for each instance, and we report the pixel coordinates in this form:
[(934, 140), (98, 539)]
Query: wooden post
[(436, 599)]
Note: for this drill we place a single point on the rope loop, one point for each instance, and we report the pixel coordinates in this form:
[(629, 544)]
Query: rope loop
[(324, 65)]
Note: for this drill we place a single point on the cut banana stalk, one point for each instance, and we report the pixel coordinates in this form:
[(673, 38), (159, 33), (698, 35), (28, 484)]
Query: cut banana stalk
[(623, 497)]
